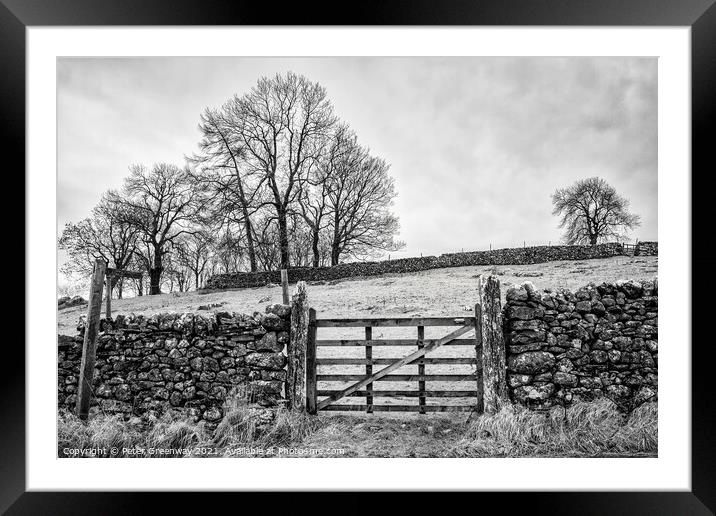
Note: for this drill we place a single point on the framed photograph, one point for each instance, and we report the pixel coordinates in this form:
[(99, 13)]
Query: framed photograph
[(419, 248)]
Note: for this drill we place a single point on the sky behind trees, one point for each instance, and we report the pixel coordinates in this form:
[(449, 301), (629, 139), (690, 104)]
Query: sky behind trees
[(476, 145)]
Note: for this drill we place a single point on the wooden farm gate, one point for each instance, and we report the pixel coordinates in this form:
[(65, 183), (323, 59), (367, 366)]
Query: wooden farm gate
[(323, 399), (629, 249)]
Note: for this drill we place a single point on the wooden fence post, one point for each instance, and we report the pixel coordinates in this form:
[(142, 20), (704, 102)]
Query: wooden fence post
[(89, 347), (494, 369), (311, 397), (284, 285), (478, 353), (298, 339), (108, 281)]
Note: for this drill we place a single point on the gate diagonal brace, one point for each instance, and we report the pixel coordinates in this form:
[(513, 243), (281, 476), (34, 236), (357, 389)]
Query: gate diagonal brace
[(396, 365)]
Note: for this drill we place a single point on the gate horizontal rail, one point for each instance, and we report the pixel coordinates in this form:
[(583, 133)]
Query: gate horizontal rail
[(393, 342), (401, 408), (401, 377), (395, 321)]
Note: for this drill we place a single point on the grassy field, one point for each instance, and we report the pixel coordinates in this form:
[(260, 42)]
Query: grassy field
[(435, 292), (594, 429)]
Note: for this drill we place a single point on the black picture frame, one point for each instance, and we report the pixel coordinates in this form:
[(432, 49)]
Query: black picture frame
[(700, 15)]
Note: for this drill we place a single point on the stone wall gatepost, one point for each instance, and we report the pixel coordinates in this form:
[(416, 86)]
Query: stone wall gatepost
[(494, 368), (296, 351)]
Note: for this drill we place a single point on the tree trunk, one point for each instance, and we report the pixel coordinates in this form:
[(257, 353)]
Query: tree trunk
[(283, 238), (593, 239), (155, 275), (154, 280), (335, 249), (250, 241), (335, 254), (316, 252), (119, 289)]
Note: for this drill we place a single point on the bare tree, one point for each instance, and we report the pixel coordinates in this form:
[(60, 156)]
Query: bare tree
[(164, 205), (140, 264), (105, 235), (282, 125), (592, 211), (314, 201), (301, 242), (228, 253), (223, 170), (194, 253), (267, 238), (360, 196), (287, 182), (176, 275)]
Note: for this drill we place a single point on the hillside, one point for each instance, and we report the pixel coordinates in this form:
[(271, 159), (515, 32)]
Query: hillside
[(429, 293)]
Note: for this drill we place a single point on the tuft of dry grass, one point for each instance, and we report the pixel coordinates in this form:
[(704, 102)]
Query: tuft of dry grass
[(174, 432), (102, 432), (238, 425), (641, 431), (594, 428), (247, 425), (289, 428)]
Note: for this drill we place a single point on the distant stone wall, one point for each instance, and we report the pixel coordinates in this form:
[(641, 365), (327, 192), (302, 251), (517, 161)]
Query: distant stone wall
[(511, 256), (598, 341), (184, 361), (647, 249)]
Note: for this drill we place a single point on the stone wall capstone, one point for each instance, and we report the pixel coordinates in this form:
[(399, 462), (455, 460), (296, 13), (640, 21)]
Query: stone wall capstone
[(183, 361), (601, 340), (510, 256)]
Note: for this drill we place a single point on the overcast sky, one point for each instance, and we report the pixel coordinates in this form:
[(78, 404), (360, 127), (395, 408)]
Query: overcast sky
[(476, 145)]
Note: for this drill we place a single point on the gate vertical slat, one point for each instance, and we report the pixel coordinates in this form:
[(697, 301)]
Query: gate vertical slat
[(311, 387), (369, 369), (421, 369)]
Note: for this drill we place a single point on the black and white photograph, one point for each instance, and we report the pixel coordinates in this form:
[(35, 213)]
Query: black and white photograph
[(387, 257)]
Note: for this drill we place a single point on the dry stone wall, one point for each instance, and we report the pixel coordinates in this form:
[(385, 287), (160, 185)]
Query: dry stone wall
[(182, 361), (511, 256), (601, 340), (646, 249)]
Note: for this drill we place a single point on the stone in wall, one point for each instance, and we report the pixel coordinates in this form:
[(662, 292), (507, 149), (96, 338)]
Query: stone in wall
[(182, 361), (601, 340)]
